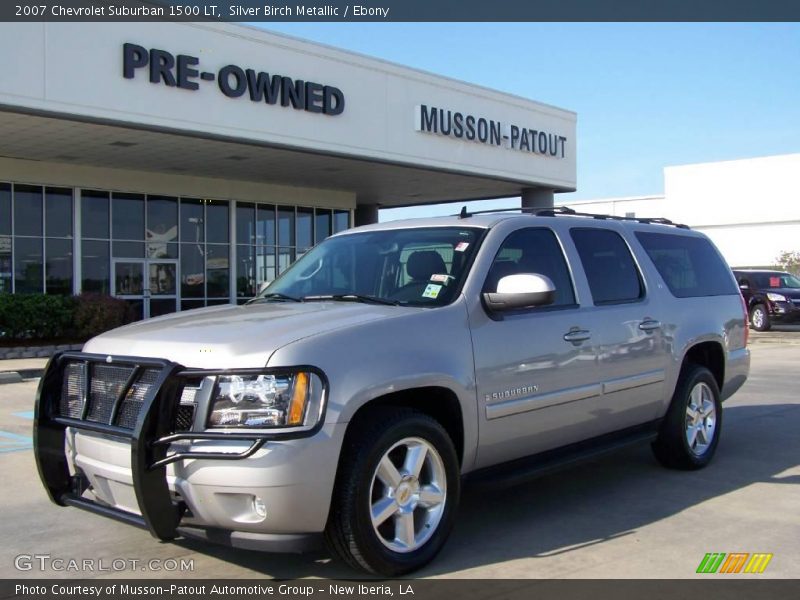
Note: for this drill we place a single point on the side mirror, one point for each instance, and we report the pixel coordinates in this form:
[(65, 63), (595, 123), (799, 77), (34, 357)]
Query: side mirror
[(521, 291)]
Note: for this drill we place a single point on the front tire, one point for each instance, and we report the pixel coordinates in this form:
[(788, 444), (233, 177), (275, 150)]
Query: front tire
[(396, 493), (759, 318), (690, 431)]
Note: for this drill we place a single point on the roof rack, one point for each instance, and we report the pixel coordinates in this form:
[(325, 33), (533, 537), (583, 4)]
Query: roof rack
[(566, 211)]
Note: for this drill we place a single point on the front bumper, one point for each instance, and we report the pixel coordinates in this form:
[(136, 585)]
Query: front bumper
[(194, 483), (784, 311)]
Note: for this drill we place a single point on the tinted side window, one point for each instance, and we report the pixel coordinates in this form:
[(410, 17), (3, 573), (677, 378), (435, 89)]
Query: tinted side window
[(609, 266), (533, 251), (690, 266)]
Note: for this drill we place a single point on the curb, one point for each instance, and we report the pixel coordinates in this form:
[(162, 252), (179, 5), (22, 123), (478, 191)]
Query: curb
[(19, 376)]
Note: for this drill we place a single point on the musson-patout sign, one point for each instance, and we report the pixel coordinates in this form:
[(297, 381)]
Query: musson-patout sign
[(464, 126)]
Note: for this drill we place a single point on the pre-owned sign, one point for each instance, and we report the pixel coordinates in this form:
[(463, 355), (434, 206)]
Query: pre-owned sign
[(183, 71)]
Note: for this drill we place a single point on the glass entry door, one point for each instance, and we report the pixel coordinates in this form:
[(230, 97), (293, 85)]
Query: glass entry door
[(150, 286)]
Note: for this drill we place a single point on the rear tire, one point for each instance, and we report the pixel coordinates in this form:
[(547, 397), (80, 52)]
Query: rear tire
[(759, 318), (690, 432), (396, 493)]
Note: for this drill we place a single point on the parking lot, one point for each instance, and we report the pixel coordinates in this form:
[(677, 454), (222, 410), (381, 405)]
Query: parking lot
[(622, 516)]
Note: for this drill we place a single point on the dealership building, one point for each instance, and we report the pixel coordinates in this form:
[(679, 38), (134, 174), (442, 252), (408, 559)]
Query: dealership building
[(181, 165), (750, 208)]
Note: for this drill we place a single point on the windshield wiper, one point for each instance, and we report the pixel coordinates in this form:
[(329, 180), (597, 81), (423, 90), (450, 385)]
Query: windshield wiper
[(352, 298), (274, 296)]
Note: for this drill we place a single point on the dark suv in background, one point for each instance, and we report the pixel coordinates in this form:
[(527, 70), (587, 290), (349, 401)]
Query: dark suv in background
[(771, 296)]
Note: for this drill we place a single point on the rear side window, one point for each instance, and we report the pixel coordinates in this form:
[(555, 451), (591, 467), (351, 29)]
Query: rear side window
[(690, 266), (609, 266)]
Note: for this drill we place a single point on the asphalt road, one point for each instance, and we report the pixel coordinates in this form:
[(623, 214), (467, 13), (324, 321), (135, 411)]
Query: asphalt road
[(622, 516)]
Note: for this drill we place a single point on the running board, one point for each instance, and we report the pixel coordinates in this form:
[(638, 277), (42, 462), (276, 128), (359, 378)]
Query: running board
[(522, 470)]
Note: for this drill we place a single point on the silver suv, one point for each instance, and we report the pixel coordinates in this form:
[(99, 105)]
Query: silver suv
[(358, 391)]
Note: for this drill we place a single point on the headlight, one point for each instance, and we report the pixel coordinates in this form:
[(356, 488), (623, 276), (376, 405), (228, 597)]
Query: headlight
[(776, 297), (267, 401)]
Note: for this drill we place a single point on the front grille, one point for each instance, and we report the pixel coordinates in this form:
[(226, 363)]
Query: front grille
[(95, 389), (107, 383), (132, 404)]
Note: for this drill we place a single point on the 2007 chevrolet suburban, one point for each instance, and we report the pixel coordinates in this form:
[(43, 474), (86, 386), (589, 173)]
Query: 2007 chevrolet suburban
[(353, 395)]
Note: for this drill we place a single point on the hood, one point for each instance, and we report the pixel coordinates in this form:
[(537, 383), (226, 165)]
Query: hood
[(792, 293), (223, 337)]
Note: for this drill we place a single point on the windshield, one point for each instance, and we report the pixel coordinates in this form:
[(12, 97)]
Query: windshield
[(417, 267), (776, 280)]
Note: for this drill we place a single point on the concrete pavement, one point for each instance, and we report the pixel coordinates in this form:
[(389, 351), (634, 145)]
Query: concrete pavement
[(622, 516)]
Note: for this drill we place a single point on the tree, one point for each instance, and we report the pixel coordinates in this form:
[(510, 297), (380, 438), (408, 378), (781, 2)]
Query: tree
[(790, 261)]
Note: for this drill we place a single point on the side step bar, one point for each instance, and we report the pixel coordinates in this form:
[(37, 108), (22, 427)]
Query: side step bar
[(526, 469)]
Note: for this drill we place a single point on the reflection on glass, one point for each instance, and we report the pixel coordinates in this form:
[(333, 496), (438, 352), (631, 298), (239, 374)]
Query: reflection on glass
[(58, 266), (265, 265), (5, 209), (136, 309), (28, 265), (162, 279), (192, 304), (341, 220), (193, 268), (162, 226), (286, 225), (58, 212), (127, 216), (285, 259), (94, 267), (265, 224), (322, 226), (5, 264), (305, 228), (128, 249), (245, 223), (245, 271), (27, 210), (94, 214), (128, 278), (162, 306), (192, 222), (217, 271), (216, 221)]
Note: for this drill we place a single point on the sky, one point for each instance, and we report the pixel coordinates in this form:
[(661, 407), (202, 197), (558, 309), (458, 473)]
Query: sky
[(647, 95)]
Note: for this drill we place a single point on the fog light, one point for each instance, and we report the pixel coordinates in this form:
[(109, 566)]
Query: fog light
[(259, 507)]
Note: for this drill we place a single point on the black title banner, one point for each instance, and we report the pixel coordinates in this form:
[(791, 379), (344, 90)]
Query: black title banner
[(399, 10), (320, 589)]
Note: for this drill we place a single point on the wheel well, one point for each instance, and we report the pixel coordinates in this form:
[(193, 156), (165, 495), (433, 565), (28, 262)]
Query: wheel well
[(437, 402), (710, 356)]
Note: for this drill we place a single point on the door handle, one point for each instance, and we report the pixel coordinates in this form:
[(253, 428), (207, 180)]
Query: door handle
[(649, 325), (577, 335)]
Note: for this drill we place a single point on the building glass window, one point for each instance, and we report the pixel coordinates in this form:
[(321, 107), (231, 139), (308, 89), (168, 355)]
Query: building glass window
[(246, 286), (341, 220), (58, 212), (192, 221), (58, 266), (94, 214), (28, 260), (305, 230), (127, 216), (322, 224), (162, 227), (5, 238), (286, 235), (95, 260), (216, 222), (265, 225), (245, 223), (27, 210), (217, 271)]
